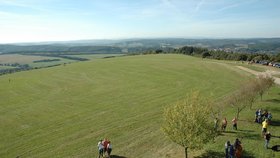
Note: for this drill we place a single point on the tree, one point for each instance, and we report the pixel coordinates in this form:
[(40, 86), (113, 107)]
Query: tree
[(205, 54), (264, 83), (189, 123), (238, 100), (251, 89), (247, 93), (158, 51)]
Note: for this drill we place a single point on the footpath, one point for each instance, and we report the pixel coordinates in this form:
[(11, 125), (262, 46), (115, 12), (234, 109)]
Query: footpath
[(269, 73)]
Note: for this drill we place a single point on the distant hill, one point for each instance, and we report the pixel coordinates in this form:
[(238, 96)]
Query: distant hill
[(55, 48), (254, 45)]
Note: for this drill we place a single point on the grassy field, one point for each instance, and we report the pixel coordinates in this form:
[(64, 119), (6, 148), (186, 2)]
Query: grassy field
[(28, 59), (63, 111), (96, 56)]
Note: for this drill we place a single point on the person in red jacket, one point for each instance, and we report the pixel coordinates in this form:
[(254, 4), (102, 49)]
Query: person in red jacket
[(105, 144)]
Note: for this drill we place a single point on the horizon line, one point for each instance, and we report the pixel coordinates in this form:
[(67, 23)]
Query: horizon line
[(131, 38)]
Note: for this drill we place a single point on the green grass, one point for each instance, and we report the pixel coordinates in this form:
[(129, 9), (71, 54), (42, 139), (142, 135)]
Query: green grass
[(249, 131), (63, 111)]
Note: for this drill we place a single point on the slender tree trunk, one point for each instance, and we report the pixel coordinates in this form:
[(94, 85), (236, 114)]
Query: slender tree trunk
[(186, 152)]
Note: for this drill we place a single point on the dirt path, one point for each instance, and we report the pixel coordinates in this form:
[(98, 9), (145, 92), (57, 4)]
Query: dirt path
[(270, 73)]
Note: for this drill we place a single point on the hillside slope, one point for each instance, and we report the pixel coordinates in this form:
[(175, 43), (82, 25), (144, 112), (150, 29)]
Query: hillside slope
[(63, 111)]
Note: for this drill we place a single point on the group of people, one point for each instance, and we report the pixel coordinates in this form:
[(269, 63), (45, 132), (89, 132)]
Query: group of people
[(264, 117), (104, 148), (233, 150), (260, 116), (224, 124)]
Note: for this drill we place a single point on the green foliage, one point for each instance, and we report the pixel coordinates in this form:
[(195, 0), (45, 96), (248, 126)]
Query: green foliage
[(247, 94), (277, 57), (205, 54), (216, 54), (189, 123)]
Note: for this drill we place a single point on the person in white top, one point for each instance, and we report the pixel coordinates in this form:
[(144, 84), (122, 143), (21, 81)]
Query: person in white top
[(100, 148)]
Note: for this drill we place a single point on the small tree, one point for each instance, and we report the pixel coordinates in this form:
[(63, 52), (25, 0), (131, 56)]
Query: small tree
[(238, 100), (189, 123), (264, 83), (247, 94), (251, 89)]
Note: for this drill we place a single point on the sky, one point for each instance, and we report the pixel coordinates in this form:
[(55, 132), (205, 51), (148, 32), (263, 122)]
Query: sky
[(63, 20)]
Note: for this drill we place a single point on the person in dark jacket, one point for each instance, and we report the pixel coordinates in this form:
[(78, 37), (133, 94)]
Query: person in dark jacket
[(267, 137)]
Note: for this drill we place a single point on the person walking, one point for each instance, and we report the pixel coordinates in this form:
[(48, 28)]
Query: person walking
[(105, 144), (264, 126), (267, 137), (237, 148), (100, 149), (256, 115), (269, 117), (234, 123), (224, 124), (259, 116), (227, 146), (231, 151), (109, 149)]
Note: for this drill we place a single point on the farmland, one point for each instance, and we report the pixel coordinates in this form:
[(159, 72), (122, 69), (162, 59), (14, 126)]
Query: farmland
[(63, 111), (29, 59)]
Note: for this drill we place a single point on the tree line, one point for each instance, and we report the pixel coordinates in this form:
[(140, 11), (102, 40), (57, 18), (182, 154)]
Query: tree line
[(217, 54), (16, 68), (45, 60)]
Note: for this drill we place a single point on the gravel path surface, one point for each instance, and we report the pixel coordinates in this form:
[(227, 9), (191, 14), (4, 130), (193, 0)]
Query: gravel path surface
[(268, 72)]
